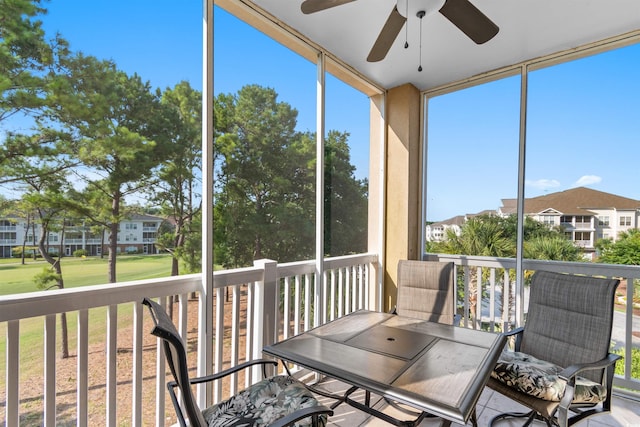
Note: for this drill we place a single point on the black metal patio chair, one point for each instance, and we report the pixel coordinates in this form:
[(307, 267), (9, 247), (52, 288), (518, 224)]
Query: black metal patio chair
[(561, 367), (277, 401)]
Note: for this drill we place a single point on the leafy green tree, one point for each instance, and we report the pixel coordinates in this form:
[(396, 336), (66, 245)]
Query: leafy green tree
[(46, 199), (25, 57), (258, 182), (551, 248), (265, 184), (345, 198), (625, 250), (116, 126), (28, 66), (178, 177), (495, 236), (482, 235)]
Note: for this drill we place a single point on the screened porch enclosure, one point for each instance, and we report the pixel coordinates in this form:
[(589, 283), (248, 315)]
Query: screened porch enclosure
[(227, 316)]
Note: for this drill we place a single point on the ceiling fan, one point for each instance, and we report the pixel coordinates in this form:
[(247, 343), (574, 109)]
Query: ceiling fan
[(464, 15)]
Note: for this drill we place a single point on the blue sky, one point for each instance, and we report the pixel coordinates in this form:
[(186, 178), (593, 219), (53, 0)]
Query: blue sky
[(583, 125)]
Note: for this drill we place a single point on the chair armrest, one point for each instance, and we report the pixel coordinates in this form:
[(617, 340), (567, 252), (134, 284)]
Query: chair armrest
[(172, 385), (229, 371), (517, 332), (289, 420), (571, 371)]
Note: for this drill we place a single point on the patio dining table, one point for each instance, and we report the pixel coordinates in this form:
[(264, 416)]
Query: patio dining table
[(436, 369)]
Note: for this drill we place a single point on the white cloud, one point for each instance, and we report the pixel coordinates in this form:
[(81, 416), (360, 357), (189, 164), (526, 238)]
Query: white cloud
[(587, 180), (542, 184)]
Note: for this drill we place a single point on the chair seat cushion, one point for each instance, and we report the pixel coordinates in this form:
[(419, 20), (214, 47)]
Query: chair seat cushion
[(540, 379), (262, 403)]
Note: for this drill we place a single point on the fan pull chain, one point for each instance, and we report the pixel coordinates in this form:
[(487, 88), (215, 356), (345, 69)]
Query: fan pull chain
[(420, 15), (406, 26)]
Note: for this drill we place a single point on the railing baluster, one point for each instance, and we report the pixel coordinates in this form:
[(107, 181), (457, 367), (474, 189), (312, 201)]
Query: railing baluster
[(83, 368), (249, 330), (332, 297), (50, 370), (492, 299), (506, 306), (112, 358), (136, 410), (478, 319), (13, 374), (467, 301), (307, 302), (628, 357), (360, 286), (297, 299), (324, 302), (348, 291), (160, 377), (235, 337), (219, 342), (341, 292), (365, 286), (287, 307)]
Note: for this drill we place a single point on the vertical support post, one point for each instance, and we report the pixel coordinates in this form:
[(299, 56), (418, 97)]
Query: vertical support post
[(520, 210), (320, 106), (205, 306), (265, 309)]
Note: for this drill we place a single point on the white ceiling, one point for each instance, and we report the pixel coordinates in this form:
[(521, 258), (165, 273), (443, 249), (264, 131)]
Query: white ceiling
[(528, 29)]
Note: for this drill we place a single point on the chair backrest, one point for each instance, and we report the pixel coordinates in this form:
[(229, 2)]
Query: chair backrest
[(176, 356), (426, 290), (569, 319)]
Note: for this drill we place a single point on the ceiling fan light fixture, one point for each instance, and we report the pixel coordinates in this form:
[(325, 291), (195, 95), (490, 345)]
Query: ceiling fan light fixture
[(409, 8)]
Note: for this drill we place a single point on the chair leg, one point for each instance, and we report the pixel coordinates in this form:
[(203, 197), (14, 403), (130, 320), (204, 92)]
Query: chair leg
[(531, 417), (474, 418)]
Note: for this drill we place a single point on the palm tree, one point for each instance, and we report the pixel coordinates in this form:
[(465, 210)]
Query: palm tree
[(483, 235)]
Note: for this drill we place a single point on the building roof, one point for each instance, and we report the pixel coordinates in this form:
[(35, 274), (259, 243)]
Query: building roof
[(575, 201), (144, 217), (456, 220)]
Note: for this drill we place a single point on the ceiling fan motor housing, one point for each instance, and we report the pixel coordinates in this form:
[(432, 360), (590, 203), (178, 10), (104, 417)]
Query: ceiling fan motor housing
[(409, 8)]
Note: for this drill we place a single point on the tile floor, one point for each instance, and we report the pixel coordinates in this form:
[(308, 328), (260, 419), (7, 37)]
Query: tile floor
[(626, 412)]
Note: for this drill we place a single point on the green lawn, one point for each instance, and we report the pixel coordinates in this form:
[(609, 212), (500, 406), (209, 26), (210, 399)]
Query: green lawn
[(17, 278)]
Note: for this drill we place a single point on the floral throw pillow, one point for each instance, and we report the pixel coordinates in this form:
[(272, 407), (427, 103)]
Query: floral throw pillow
[(540, 379), (262, 403)]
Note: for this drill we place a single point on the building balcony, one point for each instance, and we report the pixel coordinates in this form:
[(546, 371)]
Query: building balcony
[(116, 372)]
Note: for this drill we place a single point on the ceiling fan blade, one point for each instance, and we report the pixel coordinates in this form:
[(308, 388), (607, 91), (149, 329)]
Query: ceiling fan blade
[(469, 20), (387, 36), (312, 6)]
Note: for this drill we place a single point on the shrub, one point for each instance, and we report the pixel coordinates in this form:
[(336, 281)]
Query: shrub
[(635, 362), (79, 253)]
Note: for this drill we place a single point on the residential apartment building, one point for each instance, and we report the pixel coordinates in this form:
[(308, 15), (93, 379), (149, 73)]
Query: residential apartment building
[(137, 234), (437, 231), (585, 215)]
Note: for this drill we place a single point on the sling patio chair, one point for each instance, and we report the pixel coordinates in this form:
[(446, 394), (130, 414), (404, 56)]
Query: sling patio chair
[(561, 368), (426, 290), (277, 401)]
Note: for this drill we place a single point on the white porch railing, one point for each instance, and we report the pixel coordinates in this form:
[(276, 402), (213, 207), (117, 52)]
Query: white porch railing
[(492, 281), (249, 308)]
